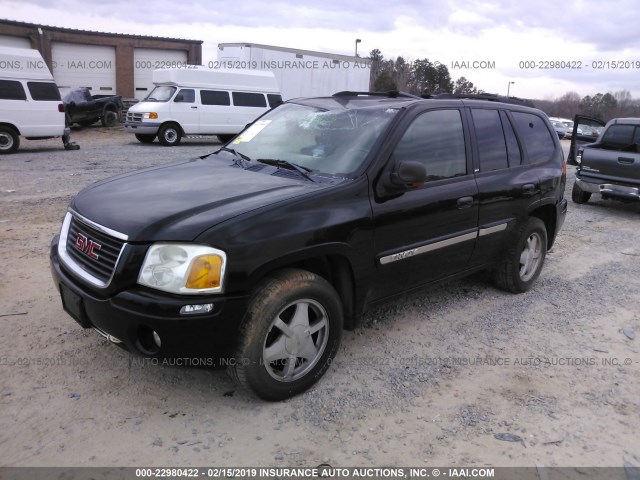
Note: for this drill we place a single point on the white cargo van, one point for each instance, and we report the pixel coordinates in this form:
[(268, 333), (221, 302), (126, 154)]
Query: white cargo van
[(195, 100), (30, 104)]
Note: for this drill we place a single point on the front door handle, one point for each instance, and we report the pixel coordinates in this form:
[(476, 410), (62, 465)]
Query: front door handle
[(528, 189), (465, 202), (194, 107), (626, 160)]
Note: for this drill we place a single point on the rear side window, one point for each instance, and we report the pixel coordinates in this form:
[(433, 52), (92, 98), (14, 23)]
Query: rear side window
[(490, 140), (242, 99), (619, 135), (535, 136), (274, 100), (214, 97), (43, 91), (11, 90)]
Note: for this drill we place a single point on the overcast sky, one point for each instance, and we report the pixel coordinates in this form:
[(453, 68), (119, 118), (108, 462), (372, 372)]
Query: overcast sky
[(580, 33)]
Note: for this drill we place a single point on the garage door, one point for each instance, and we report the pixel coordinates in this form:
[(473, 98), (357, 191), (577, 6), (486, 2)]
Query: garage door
[(146, 60), (15, 42), (92, 66)]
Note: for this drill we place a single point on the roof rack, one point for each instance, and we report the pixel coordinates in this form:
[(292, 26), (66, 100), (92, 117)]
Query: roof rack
[(491, 97), (389, 94)]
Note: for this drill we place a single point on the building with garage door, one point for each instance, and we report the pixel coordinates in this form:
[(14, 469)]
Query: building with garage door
[(107, 63)]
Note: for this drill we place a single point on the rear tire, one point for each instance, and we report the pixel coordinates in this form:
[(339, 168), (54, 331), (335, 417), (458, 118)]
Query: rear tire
[(9, 140), (289, 335), (524, 260), (169, 135), (578, 195), (145, 137)]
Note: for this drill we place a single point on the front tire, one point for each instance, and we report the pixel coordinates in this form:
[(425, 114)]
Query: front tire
[(169, 135), (523, 262), (145, 137), (109, 119), (578, 195), (9, 140), (289, 335)]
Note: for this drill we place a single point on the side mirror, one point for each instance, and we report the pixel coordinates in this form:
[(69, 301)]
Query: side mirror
[(407, 176)]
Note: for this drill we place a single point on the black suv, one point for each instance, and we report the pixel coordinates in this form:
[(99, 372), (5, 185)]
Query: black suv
[(258, 255)]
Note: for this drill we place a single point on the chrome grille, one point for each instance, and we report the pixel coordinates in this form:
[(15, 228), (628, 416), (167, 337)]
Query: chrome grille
[(134, 117), (106, 248)]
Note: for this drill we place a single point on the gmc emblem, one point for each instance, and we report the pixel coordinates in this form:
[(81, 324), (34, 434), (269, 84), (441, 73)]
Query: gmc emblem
[(87, 246)]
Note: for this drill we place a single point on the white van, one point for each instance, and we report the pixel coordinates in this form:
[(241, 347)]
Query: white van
[(30, 104), (194, 100)]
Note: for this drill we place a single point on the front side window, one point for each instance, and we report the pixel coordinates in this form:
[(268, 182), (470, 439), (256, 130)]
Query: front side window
[(435, 139), (186, 95), (535, 136), (11, 90), (161, 94), (334, 142), (44, 91)]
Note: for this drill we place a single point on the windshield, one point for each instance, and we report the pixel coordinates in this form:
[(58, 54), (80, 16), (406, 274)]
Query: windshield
[(161, 94), (334, 142)]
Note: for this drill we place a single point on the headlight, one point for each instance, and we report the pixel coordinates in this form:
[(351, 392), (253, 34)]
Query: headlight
[(151, 115), (184, 269)]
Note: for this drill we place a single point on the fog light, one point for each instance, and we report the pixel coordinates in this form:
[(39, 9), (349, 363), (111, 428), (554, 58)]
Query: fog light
[(195, 309)]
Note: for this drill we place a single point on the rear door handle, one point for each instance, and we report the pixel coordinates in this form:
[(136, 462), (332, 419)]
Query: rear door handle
[(626, 160), (465, 202)]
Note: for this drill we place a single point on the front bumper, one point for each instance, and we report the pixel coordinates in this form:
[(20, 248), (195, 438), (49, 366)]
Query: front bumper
[(609, 189), (145, 128), (130, 317)]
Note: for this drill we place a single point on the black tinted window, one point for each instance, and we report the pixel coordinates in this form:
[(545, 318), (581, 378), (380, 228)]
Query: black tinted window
[(241, 99), (619, 134), (274, 100), (43, 91), (11, 90), (490, 139), (513, 149), (213, 97), (435, 139), (186, 95), (535, 136)]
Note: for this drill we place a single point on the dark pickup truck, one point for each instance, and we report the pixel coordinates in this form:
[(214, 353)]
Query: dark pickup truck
[(258, 255), (610, 165), (84, 109)]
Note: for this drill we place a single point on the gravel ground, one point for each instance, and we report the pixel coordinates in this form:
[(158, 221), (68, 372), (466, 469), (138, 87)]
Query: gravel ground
[(463, 374)]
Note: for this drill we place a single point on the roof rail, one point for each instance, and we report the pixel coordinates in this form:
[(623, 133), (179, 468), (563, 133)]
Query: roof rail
[(389, 94), (491, 97)]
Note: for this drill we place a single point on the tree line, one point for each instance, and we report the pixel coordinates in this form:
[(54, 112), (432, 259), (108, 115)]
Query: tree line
[(423, 77)]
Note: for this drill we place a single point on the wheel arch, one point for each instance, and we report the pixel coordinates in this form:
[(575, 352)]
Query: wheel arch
[(334, 267), (11, 126), (547, 214)]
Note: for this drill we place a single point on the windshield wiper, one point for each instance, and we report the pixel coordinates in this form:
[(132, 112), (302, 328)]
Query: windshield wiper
[(239, 158), (304, 171)]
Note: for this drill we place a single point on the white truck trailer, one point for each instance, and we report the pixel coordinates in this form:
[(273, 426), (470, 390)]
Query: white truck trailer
[(300, 73)]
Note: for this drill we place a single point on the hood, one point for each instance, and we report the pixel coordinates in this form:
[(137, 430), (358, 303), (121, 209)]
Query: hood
[(179, 201)]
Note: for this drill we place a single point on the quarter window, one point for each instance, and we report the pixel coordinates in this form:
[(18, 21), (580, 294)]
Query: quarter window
[(436, 140), (274, 99), (535, 136), (242, 99), (11, 90)]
